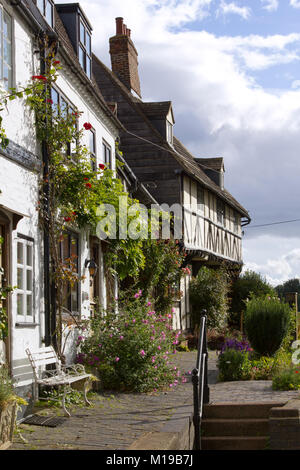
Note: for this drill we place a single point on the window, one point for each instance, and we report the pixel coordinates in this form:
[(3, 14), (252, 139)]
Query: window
[(92, 145), (107, 154), (6, 49), (60, 105), (220, 212), (84, 48), (69, 254), (25, 275), (235, 222), (169, 132), (46, 8), (200, 199)]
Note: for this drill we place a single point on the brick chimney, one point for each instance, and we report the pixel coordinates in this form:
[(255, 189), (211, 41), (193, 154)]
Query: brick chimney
[(124, 62)]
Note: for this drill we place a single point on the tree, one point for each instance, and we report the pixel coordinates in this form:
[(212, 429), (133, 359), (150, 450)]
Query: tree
[(292, 285), (209, 290), (248, 283)]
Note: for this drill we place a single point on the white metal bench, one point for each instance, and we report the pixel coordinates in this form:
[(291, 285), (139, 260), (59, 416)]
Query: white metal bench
[(60, 376)]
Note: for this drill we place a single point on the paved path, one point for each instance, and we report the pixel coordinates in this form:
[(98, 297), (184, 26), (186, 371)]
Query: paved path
[(117, 420)]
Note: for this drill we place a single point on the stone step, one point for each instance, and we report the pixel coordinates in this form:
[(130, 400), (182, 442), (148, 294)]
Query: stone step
[(235, 427), (228, 410), (234, 443)]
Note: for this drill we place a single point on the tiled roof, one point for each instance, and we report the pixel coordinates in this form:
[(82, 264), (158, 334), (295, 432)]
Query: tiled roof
[(189, 162)]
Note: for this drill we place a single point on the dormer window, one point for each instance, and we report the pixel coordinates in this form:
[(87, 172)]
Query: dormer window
[(79, 31), (84, 48), (46, 8)]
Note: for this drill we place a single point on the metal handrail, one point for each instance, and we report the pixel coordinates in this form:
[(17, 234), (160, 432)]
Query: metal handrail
[(200, 383)]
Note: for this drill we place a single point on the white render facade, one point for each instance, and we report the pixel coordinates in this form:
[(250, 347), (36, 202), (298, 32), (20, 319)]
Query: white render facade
[(20, 171)]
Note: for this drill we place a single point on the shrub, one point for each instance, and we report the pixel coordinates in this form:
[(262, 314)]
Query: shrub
[(248, 283), (131, 349), (287, 379), (234, 365), (208, 290), (6, 386), (266, 324)]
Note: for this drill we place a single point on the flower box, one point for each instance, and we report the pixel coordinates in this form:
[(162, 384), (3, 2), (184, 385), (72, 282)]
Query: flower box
[(7, 424)]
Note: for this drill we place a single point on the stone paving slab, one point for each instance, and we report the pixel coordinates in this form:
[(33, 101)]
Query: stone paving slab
[(117, 420)]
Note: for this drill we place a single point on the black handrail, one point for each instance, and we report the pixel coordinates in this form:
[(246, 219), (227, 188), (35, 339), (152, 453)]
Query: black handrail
[(199, 379)]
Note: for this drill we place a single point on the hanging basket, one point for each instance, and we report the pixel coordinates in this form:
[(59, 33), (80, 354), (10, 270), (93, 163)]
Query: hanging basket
[(7, 424)]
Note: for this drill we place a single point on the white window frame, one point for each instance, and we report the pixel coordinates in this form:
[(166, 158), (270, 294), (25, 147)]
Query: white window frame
[(43, 12), (25, 267), (8, 84)]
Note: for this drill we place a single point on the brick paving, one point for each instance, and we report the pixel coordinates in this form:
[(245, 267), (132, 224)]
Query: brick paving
[(116, 420)]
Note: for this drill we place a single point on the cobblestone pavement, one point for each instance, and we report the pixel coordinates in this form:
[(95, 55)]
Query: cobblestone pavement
[(116, 420)]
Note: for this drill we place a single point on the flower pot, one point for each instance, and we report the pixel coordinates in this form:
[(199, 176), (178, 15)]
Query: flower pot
[(7, 424)]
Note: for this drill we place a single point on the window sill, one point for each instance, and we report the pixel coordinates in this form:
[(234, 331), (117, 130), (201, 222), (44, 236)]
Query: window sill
[(26, 325)]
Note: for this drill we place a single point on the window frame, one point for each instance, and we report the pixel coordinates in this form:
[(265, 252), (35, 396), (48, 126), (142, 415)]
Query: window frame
[(45, 3), (221, 212), (200, 200), (106, 147), (72, 235), (70, 108), (82, 46), (93, 153), (10, 66), (26, 242)]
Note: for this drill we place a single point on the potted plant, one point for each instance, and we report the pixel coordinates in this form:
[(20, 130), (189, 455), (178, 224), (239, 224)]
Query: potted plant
[(8, 408)]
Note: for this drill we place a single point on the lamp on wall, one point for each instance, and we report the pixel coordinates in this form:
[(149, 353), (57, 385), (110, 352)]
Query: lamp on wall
[(91, 266)]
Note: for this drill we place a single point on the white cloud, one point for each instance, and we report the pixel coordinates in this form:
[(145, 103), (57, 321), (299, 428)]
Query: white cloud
[(295, 3), (295, 84), (233, 8), (270, 5)]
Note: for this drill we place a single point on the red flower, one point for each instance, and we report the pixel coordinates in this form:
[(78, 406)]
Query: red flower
[(56, 62), (67, 219), (87, 126), (85, 179), (39, 77), (101, 166), (49, 101), (88, 185)]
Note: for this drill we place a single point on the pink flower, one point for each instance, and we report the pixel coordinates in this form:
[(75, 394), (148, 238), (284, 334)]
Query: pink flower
[(142, 353), (117, 359), (148, 304), (121, 337)]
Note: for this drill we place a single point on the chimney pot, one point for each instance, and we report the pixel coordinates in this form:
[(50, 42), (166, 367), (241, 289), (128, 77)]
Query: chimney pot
[(119, 25), (129, 32), (124, 29)]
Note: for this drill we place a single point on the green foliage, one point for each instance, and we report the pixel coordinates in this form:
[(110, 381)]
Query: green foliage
[(5, 290), (248, 283), (234, 365), (162, 272), (266, 324), (131, 349), (287, 379), (6, 386), (208, 290), (54, 396)]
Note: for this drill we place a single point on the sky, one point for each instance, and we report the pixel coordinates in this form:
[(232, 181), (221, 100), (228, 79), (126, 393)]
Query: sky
[(232, 72)]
